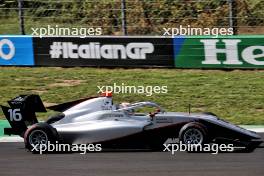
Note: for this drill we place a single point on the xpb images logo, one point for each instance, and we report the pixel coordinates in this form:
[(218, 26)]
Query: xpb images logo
[(128, 89)]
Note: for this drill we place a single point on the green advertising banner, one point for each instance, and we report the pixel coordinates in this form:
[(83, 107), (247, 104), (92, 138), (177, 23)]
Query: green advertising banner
[(243, 51)]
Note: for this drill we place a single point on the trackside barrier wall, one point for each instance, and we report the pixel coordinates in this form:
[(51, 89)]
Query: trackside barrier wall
[(114, 51), (16, 51), (138, 51), (223, 52)]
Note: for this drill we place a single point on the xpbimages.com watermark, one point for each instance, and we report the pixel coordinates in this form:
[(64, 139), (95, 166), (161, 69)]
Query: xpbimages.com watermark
[(59, 147), (212, 148), (188, 30), (56, 30), (128, 89)]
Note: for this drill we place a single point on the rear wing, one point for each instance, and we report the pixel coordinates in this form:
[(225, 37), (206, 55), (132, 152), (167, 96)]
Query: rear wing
[(64, 106), (21, 113)]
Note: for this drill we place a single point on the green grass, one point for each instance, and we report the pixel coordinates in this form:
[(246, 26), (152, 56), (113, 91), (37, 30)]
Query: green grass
[(10, 26), (237, 96)]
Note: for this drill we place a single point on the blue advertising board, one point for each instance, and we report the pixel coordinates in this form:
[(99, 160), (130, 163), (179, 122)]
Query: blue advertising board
[(16, 50)]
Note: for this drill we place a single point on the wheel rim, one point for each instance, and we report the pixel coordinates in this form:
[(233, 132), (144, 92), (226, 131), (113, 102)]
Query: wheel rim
[(37, 138), (193, 136)]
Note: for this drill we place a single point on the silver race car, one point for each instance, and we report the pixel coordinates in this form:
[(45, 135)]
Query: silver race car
[(96, 120)]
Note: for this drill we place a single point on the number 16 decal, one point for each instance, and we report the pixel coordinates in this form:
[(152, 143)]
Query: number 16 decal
[(15, 114)]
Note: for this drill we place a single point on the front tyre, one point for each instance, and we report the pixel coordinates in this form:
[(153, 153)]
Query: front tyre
[(193, 133)]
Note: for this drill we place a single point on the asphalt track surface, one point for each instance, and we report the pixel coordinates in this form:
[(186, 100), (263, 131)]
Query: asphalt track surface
[(14, 160)]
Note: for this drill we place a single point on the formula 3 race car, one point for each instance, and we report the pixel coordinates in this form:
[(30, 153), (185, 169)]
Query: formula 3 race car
[(96, 120)]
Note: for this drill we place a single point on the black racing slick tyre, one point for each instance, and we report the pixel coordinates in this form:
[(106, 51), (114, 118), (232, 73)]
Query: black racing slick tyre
[(38, 136), (193, 133)]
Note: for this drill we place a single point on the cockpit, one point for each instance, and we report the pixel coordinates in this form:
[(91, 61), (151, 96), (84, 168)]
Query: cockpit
[(140, 109)]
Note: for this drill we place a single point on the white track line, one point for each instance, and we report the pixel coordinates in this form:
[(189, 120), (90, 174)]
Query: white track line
[(11, 139), (258, 130)]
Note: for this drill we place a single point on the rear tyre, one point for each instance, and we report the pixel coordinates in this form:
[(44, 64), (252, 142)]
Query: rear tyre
[(38, 136)]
